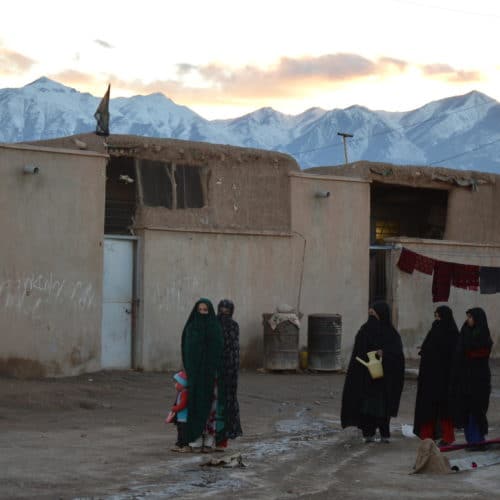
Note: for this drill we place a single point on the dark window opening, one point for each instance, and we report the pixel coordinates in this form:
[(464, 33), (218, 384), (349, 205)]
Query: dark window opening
[(156, 184), (406, 211), (120, 196), (189, 187), (173, 186)]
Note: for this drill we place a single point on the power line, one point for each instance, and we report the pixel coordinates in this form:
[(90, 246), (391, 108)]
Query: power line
[(390, 130), (473, 150)]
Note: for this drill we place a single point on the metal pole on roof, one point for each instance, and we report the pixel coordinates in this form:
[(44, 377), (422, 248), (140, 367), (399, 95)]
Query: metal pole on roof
[(344, 136)]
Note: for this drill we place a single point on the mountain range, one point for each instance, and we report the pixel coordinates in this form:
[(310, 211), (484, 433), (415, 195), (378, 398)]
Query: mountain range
[(460, 132)]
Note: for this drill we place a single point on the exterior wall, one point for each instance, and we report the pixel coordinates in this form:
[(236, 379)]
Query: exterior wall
[(337, 231), (247, 188), (411, 294), (50, 261), (472, 214), (257, 272), (240, 196)]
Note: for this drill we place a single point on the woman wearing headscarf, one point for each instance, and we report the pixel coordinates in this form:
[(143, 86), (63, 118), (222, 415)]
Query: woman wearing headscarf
[(436, 355), (231, 367), (471, 377), (202, 352), (370, 403)]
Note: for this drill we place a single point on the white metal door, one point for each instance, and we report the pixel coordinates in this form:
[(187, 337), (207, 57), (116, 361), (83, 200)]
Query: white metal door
[(116, 344)]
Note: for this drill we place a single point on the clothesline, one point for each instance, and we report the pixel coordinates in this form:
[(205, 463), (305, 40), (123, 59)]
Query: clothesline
[(481, 256), (453, 254), (446, 274)]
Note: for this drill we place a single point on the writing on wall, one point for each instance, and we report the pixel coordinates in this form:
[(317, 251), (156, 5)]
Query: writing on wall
[(30, 293)]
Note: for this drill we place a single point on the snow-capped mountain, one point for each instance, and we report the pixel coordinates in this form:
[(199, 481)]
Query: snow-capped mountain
[(457, 132)]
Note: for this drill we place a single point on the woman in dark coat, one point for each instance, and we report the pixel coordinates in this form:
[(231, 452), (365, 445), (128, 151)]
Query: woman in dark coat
[(231, 368), (471, 377), (367, 403), (202, 352), (436, 355)]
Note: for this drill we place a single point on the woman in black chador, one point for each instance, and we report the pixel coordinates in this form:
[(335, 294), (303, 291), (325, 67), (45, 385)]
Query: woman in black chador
[(367, 403), (471, 377), (231, 364), (436, 355)]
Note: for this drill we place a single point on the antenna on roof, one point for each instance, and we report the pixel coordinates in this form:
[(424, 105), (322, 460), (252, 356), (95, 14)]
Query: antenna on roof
[(344, 135)]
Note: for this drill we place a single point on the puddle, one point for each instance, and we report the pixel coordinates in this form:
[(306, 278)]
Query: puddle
[(184, 478), (304, 423)]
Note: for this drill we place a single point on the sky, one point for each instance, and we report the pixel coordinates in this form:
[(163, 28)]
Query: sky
[(227, 58)]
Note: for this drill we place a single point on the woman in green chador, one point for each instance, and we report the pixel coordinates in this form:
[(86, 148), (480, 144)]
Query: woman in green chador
[(202, 354)]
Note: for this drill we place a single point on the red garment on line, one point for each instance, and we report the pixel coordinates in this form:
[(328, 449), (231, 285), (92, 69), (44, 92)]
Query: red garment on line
[(465, 276), (441, 282), (424, 264), (448, 433), (407, 260)]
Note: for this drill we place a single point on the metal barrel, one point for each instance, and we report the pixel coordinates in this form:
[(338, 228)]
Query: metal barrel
[(281, 346), (324, 335)]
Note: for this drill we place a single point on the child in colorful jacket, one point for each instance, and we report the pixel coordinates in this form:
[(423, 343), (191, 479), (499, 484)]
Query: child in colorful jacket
[(179, 412)]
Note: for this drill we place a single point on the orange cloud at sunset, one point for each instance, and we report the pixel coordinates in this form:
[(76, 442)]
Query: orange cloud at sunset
[(12, 62), (218, 84), (290, 77), (450, 74)]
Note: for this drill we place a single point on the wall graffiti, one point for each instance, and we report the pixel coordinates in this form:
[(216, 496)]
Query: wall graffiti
[(174, 294), (31, 292)]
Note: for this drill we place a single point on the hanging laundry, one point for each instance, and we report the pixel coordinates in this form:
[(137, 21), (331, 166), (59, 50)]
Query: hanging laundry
[(424, 264), (489, 278), (441, 281), (407, 260), (465, 276)]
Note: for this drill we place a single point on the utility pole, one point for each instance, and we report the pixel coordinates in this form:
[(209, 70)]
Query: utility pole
[(344, 137)]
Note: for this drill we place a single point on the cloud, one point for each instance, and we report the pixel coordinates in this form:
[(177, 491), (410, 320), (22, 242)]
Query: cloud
[(290, 76), (397, 63), (328, 68), (333, 67), (13, 62), (104, 44), (185, 68), (73, 77), (217, 84), (450, 74)]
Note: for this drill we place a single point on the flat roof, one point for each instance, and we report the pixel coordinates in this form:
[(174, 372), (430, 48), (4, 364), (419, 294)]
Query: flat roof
[(45, 149), (322, 177)]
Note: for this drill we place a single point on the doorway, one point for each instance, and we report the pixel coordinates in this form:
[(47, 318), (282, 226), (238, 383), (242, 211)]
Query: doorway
[(401, 211), (118, 302)]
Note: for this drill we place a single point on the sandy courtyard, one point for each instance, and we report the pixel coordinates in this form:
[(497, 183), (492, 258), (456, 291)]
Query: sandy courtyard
[(102, 436)]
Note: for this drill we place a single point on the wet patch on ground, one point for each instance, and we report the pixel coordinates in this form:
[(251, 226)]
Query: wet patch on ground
[(183, 477)]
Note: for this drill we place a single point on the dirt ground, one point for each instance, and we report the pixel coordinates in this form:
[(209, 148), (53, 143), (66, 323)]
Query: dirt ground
[(102, 436)]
